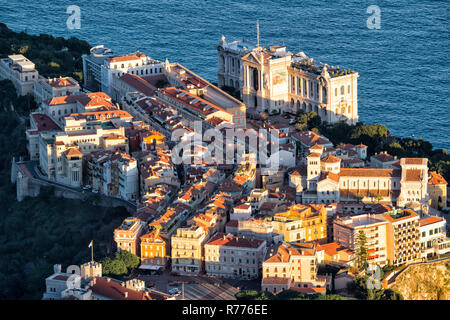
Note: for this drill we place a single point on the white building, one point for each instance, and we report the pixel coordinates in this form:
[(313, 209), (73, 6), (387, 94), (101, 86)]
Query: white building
[(92, 66), (229, 62), (241, 212), (433, 238), (58, 282), (274, 80), (136, 64), (47, 88), (20, 71)]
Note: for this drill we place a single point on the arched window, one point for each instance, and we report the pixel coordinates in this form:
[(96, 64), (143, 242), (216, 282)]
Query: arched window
[(348, 89), (304, 106), (335, 92), (324, 95), (298, 106), (342, 90), (123, 66)]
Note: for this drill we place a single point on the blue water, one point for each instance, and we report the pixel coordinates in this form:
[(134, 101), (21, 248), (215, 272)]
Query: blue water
[(403, 67)]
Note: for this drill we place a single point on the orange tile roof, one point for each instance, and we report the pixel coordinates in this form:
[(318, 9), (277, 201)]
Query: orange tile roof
[(314, 155), (369, 172), (415, 160), (429, 220), (115, 291), (436, 178), (130, 57), (413, 175), (220, 239), (330, 159)]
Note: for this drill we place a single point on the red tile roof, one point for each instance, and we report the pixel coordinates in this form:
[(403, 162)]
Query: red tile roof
[(44, 122), (220, 239), (429, 220), (436, 178), (114, 290)]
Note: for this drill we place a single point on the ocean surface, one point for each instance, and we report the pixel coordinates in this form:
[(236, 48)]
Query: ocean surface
[(404, 66)]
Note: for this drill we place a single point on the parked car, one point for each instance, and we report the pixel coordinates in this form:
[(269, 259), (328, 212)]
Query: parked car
[(173, 291), (94, 191)]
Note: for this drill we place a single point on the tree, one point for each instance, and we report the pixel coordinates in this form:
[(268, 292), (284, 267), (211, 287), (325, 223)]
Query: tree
[(301, 126), (361, 250), (130, 260), (113, 267)]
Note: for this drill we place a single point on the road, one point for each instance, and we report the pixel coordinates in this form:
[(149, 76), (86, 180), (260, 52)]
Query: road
[(200, 287)]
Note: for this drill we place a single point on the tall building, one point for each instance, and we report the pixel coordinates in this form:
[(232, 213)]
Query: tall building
[(127, 235), (275, 80), (92, 67), (234, 257), (153, 249), (403, 237), (346, 230), (20, 71)]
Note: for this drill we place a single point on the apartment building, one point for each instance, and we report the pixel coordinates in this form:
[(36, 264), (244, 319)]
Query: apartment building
[(187, 249), (113, 173), (153, 249), (376, 229), (20, 71), (433, 236), (127, 235), (301, 222), (47, 88), (293, 266), (402, 236), (92, 66), (229, 256)]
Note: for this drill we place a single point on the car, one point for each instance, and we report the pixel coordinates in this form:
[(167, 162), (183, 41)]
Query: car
[(173, 273), (94, 191), (173, 291)]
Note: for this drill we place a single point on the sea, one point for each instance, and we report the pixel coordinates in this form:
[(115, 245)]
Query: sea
[(400, 48)]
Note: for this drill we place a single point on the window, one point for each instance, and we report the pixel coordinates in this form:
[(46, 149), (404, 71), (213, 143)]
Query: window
[(342, 90)]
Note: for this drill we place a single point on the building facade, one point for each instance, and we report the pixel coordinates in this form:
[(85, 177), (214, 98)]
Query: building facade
[(229, 256)]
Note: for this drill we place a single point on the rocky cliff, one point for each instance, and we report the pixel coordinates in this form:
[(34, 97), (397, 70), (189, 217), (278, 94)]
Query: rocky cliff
[(425, 281)]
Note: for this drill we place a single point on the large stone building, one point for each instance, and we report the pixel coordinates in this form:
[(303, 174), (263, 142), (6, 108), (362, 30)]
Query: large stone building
[(274, 80), (128, 235), (234, 257), (322, 180), (20, 71), (229, 62), (187, 249), (47, 88)]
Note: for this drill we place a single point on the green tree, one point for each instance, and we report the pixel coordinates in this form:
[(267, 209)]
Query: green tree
[(361, 250), (113, 267), (359, 197), (378, 198), (130, 260)]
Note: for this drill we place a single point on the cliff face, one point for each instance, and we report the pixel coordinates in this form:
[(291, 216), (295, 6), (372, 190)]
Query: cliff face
[(426, 281)]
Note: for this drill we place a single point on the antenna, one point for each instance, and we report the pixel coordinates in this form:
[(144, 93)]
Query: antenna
[(257, 33)]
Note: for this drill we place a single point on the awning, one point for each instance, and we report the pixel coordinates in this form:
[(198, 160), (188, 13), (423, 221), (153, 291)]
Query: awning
[(150, 267)]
